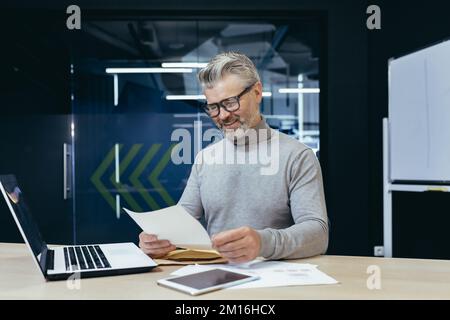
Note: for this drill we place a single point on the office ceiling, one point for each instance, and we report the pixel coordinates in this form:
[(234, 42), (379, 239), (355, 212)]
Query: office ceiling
[(282, 48)]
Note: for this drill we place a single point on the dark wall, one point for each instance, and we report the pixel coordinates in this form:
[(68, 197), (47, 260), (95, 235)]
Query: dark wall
[(34, 122)]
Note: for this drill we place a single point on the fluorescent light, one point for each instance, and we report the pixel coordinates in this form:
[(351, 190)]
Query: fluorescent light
[(183, 65), (116, 157), (117, 206), (186, 97), (116, 90), (299, 90), (148, 70), (200, 96)]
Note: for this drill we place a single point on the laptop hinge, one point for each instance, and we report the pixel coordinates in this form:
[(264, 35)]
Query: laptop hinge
[(50, 260)]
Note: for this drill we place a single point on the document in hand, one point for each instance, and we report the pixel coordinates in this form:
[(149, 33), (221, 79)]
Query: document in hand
[(181, 229)]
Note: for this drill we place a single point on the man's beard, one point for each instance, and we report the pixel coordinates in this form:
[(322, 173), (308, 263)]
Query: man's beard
[(235, 135)]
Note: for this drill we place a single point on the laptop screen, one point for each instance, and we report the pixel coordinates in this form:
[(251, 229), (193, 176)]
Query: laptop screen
[(28, 227)]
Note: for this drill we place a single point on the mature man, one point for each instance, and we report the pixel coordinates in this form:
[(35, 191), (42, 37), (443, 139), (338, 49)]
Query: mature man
[(249, 214)]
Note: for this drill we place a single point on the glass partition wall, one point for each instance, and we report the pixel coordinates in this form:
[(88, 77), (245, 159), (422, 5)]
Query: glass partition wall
[(134, 94)]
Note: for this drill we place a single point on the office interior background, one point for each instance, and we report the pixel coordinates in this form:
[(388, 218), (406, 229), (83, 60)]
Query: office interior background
[(66, 119)]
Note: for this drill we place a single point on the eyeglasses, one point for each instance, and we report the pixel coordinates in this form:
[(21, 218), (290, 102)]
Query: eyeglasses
[(230, 104)]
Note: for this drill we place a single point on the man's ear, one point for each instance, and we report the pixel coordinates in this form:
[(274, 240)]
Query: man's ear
[(258, 91)]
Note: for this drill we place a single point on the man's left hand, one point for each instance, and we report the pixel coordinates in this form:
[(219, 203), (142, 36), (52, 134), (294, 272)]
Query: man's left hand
[(238, 245)]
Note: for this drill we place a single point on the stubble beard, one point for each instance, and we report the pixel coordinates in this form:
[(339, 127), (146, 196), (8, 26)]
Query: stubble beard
[(237, 135)]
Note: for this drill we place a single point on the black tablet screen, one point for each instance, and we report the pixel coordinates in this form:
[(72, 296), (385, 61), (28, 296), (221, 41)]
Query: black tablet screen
[(209, 278)]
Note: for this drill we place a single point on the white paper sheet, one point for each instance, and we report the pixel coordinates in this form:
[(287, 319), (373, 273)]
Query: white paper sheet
[(174, 224), (271, 273)]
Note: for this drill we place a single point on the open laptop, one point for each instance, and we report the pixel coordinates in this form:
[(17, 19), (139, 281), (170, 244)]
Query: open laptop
[(60, 263)]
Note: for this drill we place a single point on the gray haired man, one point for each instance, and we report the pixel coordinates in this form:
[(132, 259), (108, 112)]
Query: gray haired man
[(249, 214)]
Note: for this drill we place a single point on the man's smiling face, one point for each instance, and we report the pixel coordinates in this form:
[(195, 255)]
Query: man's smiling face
[(247, 116)]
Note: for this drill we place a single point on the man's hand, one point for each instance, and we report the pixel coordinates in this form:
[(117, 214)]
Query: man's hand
[(238, 245), (153, 247)]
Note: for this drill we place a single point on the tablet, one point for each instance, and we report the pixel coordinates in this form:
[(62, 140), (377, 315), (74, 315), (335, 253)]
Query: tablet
[(206, 281)]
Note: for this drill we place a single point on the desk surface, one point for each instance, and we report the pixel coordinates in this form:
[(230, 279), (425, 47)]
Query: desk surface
[(400, 279)]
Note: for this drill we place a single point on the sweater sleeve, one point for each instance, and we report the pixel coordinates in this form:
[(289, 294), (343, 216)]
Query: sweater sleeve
[(190, 199), (309, 235)]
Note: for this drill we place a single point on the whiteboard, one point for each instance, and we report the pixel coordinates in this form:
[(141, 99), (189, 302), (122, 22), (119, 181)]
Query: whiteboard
[(419, 115)]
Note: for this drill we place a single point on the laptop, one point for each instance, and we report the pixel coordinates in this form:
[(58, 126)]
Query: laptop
[(61, 263)]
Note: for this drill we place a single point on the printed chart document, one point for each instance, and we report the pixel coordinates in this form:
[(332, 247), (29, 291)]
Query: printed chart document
[(174, 224)]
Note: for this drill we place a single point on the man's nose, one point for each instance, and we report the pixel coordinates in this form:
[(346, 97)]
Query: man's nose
[(223, 114)]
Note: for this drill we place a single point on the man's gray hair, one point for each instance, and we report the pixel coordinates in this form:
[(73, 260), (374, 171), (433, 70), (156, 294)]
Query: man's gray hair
[(228, 63)]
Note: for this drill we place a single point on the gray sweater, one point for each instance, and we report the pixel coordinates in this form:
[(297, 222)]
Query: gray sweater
[(286, 206)]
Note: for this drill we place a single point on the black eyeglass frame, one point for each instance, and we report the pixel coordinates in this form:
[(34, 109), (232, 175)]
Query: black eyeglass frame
[(221, 105)]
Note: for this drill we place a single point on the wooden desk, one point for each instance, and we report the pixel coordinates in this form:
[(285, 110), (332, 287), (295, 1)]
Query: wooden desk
[(400, 279)]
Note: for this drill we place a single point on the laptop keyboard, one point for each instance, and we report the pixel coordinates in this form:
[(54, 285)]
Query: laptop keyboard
[(85, 257)]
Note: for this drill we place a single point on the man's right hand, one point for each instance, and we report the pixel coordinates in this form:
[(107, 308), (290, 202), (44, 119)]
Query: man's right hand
[(155, 248)]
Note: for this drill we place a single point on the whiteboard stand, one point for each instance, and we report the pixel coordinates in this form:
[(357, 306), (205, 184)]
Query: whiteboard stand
[(389, 186)]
